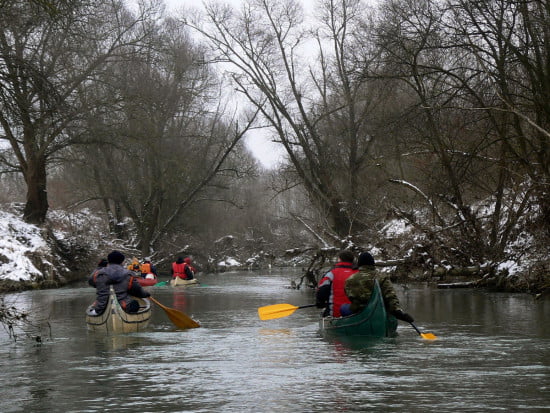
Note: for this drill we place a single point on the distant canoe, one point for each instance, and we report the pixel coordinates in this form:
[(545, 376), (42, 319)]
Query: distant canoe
[(180, 282), (115, 320), (373, 321), (147, 282)]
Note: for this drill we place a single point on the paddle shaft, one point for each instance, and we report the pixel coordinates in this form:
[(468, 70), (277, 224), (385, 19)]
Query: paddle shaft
[(307, 306), (417, 330), (293, 309)]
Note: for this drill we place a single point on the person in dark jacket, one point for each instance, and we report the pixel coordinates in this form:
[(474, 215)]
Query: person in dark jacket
[(359, 288), (330, 293), (122, 280)]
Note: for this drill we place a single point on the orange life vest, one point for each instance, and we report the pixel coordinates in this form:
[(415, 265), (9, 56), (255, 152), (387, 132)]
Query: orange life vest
[(146, 268), (178, 270)]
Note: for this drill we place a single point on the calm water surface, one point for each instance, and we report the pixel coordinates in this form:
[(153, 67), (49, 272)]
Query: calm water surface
[(492, 354)]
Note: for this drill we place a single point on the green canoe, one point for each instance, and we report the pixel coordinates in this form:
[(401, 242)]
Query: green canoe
[(373, 321)]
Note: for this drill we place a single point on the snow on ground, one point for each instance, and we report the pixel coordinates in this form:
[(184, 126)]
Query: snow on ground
[(18, 239), (395, 228), (229, 262)]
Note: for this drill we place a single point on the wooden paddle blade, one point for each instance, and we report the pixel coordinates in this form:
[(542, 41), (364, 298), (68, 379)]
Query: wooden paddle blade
[(179, 319), (270, 312)]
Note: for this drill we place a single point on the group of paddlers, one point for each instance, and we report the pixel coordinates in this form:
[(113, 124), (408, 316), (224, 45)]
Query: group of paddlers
[(111, 272), (181, 268), (146, 269)]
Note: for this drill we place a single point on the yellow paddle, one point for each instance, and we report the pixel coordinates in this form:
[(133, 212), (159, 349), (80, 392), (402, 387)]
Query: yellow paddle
[(270, 312), (177, 317), (427, 336)]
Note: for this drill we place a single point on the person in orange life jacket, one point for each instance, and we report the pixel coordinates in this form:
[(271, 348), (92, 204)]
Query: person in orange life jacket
[(148, 268), (182, 269), (123, 282), (330, 293), (134, 265)]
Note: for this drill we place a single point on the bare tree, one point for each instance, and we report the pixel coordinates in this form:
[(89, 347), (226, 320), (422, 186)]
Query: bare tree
[(312, 102), (166, 140), (469, 125), (46, 59)]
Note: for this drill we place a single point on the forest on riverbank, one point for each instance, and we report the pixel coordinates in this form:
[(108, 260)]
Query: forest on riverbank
[(419, 131)]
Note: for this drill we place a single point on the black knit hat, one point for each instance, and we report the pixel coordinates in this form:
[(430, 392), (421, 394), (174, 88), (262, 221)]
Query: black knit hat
[(365, 259), (115, 257)]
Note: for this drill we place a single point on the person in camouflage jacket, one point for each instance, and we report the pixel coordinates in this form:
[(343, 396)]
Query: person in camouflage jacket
[(359, 288)]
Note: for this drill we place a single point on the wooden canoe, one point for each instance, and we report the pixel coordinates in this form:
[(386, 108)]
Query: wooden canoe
[(180, 282), (115, 320), (373, 321)]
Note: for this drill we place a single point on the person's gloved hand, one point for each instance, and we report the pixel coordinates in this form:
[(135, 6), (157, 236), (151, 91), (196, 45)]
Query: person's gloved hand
[(319, 304), (400, 315)]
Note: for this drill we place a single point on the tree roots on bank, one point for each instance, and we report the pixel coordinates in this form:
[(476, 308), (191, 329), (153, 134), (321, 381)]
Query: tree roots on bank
[(18, 323)]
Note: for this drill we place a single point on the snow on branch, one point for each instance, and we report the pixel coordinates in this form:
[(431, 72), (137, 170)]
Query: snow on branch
[(421, 193)]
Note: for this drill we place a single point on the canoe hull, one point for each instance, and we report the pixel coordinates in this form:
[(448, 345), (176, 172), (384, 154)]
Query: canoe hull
[(147, 282), (115, 320), (180, 282), (373, 321)]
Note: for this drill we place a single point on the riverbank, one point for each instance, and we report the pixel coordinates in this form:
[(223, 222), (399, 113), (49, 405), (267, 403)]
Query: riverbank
[(67, 248)]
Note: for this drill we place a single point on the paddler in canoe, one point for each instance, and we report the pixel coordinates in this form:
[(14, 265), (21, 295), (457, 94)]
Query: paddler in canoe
[(360, 285), (330, 290), (123, 282), (148, 270), (183, 273)]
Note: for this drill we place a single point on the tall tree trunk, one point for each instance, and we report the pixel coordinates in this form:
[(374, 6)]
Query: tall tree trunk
[(37, 195)]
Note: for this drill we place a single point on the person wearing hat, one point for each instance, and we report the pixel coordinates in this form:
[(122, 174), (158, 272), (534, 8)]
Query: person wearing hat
[(359, 288), (148, 268), (121, 279), (330, 293)]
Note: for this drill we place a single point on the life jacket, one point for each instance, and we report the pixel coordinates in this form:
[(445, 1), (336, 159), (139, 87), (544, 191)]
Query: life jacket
[(146, 268), (178, 270), (337, 278), (94, 278), (187, 261)]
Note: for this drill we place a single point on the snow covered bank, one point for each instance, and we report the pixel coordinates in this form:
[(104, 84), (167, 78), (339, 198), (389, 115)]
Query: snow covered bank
[(21, 248), (43, 257)]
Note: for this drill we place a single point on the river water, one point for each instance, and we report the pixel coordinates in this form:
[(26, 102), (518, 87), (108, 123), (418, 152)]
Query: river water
[(492, 354)]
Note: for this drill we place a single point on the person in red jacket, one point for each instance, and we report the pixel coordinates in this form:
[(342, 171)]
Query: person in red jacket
[(181, 268), (330, 293)]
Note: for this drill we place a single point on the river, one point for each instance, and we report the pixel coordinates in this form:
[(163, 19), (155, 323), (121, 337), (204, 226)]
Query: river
[(492, 354)]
